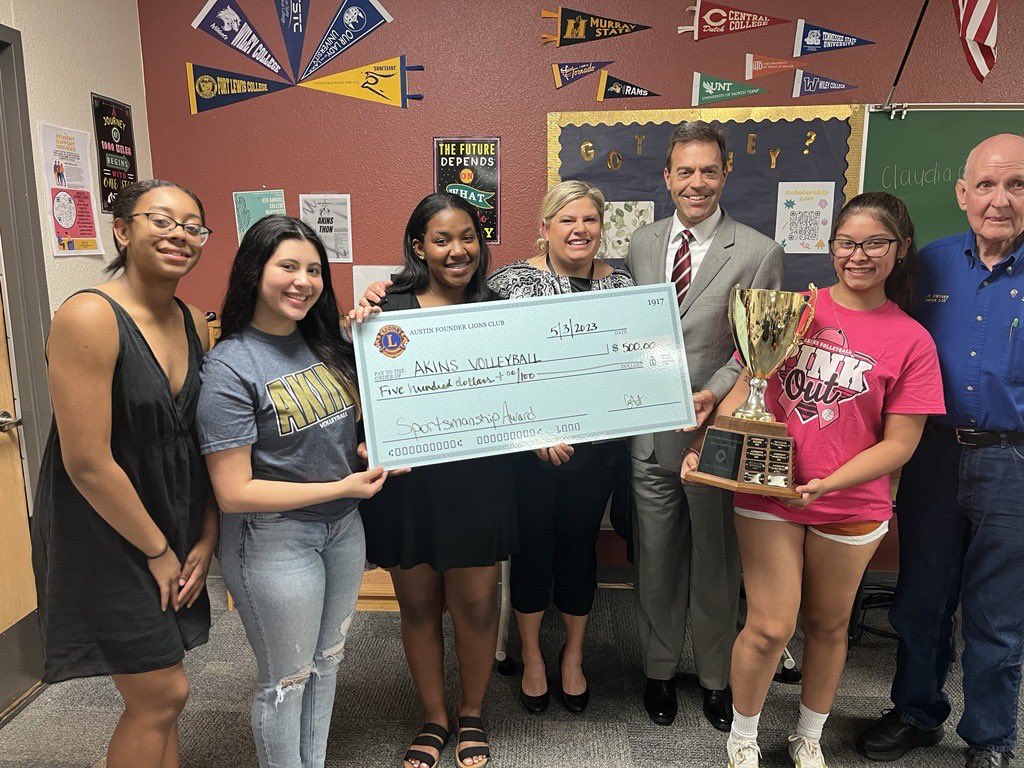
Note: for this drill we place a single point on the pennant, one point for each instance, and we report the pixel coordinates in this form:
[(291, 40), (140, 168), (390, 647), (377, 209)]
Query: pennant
[(293, 15), (571, 71), (807, 83), (354, 20), (611, 87), (579, 27), (762, 66), (227, 22), (810, 38), (209, 88), (383, 82), (711, 19), (708, 89)]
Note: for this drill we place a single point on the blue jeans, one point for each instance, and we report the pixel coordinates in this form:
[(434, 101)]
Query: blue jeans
[(295, 584), (961, 532)]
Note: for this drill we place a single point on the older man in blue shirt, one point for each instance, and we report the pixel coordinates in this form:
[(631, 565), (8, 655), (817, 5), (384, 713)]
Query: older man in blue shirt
[(961, 499)]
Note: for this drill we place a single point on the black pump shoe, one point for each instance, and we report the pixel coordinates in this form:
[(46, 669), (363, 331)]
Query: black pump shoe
[(535, 704), (574, 702)]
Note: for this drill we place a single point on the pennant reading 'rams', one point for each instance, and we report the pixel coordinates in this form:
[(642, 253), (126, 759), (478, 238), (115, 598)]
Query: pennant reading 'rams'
[(209, 88), (611, 87), (224, 20), (711, 19), (579, 27)]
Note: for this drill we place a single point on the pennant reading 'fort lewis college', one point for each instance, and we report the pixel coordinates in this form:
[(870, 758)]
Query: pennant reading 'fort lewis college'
[(810, 38), (611, 87), (293, 15), (571, 71), (383, 82), (711, 19), (354, 20), (762, 66), (209, 88), (807, 83), (708, 89), (224, 20), (579, 27)]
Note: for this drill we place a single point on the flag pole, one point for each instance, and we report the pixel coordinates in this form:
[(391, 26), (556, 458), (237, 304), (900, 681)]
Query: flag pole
[(906, 55)]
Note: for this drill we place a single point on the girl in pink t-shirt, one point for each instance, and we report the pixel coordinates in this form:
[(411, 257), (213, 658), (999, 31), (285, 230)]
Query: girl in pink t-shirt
[(854, 395)]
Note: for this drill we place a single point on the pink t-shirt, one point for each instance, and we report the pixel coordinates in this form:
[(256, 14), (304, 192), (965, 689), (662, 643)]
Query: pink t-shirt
[(851, 369)]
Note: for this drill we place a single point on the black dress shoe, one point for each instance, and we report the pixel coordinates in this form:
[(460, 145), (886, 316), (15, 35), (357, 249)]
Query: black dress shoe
[(660, 700), (718, 708), (535, 704), (986, 758), (891, 737), (574, 702)]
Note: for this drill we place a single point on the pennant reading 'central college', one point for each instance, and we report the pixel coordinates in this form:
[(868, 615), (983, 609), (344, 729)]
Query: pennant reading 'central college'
[(293, 15), (579, 27), (571, 71), (354, 20), (708, 89), (224, 20), (810, 38), (383, 82), (209, 88), (711, 19)]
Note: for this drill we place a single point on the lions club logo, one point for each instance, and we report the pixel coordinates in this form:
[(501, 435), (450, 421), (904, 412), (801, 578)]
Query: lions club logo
[(391, 341)]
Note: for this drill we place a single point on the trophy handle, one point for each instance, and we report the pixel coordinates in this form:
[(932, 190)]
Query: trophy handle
[(805, 320), (736, 306)]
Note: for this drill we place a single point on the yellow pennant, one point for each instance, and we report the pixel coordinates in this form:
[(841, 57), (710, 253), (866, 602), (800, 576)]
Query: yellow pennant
[(383, 82)]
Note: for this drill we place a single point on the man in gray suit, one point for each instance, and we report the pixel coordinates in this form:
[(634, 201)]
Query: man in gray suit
[(687, 561)]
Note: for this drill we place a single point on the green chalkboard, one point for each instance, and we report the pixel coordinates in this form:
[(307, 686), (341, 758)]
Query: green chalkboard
[(920, 156)]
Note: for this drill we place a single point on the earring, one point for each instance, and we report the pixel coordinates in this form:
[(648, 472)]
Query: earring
[(422, 258)]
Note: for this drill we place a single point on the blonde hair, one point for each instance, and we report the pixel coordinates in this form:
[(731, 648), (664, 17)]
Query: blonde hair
[(559, 196)]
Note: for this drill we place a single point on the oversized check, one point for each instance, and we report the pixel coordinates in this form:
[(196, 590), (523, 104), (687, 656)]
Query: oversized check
[(458, 382)]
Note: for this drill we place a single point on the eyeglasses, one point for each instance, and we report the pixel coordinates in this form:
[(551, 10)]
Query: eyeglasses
[(875, 248), (159, 224)]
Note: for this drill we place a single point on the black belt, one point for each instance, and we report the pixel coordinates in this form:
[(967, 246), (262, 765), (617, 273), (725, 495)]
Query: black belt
[(978, 438)]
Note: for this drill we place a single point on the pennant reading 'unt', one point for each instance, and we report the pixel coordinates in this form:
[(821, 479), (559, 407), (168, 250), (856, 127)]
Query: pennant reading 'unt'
[(708, 89), (810, 38), (209, 88), (611, 87), (383, 82), (293, 15), (711, 19), (225, 21), (571, 71), (354, 20), (579, 27), (762, 66)]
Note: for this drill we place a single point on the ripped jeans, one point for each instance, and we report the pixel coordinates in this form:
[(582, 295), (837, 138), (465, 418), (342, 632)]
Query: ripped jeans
[(295, 584)]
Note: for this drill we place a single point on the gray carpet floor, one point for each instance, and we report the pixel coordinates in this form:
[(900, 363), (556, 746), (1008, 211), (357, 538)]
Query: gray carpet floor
[(377, 713)]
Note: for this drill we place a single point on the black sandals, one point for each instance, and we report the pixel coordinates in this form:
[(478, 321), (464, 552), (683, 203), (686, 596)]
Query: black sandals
[(471, 729), (431, 735)]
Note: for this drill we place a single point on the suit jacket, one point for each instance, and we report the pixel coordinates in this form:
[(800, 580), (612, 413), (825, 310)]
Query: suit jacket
[(738, 255)]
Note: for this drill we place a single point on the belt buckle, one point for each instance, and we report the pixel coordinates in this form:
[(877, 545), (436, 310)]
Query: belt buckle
[(959, 436)]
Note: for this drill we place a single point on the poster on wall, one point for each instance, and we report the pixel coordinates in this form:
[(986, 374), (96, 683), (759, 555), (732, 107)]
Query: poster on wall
[(471, 169), (115, 147), (330, 217), (803, 215), (70, 191), (224, 20), (209, 88), (711, 19), (576, 27), (250, 207), (810, 38), (383, 82), (354, 20)]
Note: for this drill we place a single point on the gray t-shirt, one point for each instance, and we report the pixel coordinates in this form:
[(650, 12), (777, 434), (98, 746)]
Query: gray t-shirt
[(272, 393)]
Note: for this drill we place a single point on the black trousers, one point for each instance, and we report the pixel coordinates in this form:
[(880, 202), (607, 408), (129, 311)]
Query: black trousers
[(560, 511)]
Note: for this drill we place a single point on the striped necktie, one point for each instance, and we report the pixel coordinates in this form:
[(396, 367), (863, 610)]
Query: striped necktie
[(681, 267)]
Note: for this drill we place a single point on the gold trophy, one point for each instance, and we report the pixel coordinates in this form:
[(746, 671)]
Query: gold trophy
[(750, 451)]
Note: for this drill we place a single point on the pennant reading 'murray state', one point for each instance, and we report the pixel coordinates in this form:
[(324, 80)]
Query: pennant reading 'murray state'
[(354, 20), (708, 89), (571, 71), (293, 15), (383, 82), (611, 87), (711, 19), (209, 88), (762, 66), (225, 21), (810, 38), (580, 27), (807, 83)]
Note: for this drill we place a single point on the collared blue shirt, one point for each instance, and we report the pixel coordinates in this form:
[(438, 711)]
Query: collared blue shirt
[(976, 318)]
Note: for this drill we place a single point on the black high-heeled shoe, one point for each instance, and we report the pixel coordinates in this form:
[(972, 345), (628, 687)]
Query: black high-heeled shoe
[(574, 702), (534, 704)]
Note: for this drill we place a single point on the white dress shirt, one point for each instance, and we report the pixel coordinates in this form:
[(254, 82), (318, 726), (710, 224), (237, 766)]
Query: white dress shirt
[(700, 241)]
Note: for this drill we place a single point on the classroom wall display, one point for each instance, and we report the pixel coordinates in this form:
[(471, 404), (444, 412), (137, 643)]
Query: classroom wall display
[(621, 220), (711, 19), (808, 84), (209, 87), (611, 87), (758, 65), (115, 147), (576, 27), (67, 174), (330, 216), (571, 71), (708, 89), (471, 169), (803, 215), (354, 20), (810, 38), (225, 20), (383, 82), (293, 15), (250, 207), (623, 153)]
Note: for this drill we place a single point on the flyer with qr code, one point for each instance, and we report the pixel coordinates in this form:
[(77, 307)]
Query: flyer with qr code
[(803, 215)]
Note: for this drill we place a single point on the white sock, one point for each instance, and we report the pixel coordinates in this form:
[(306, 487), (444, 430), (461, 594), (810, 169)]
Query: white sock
[(810, 723), (744, 727)]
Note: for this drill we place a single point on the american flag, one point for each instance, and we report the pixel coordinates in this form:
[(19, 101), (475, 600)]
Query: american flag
[(979, 22)]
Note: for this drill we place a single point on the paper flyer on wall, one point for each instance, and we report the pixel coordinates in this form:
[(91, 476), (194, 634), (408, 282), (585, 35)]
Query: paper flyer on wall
[(330, 217), (576, 27), (250, 207), (293, 16), (758, 65), (611, 87), (808, 83), (115, 147), (803, 218), (383, 82), (225, 20), (571, 71), (708, 89), (810, 38), (471, 169), (711, 19), (71, 197), (209, 88), (354, 20)]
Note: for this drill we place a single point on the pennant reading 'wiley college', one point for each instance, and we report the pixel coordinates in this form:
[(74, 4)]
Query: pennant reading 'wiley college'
[(224, 20), (293, 15), (209, 88), (711, 19), (383, 82), (611, 87), (810, 38), (579, 27), (354, 20), (571, 71), (708, 89), (762, 66), (807, 83)]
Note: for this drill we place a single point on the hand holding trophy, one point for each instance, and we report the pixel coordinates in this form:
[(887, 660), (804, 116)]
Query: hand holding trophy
[(750, 451)]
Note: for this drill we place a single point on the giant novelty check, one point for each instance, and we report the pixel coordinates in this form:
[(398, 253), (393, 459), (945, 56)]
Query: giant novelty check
[(459, 382)]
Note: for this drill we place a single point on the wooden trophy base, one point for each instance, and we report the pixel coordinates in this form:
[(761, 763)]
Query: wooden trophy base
[(748, 457)]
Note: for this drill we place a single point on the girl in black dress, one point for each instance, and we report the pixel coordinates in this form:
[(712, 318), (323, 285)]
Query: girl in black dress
[(441, 530), (123, 530)]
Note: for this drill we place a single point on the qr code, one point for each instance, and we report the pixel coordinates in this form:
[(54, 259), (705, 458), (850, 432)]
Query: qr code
[(804, 225)]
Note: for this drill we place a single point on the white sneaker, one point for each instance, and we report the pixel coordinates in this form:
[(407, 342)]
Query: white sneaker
[(805, 753), (743, 753)]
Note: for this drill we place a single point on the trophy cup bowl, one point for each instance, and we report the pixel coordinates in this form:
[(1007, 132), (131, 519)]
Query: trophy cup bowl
[(750, 451)]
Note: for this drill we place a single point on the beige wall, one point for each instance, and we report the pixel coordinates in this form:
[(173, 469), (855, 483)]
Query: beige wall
[(73, 48)]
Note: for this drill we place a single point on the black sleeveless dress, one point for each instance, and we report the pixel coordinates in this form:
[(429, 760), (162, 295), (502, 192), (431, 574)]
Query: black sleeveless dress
[(99, 606)]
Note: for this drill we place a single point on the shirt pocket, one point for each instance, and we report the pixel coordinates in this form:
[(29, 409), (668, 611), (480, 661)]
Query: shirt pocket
[(1013, 355)]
